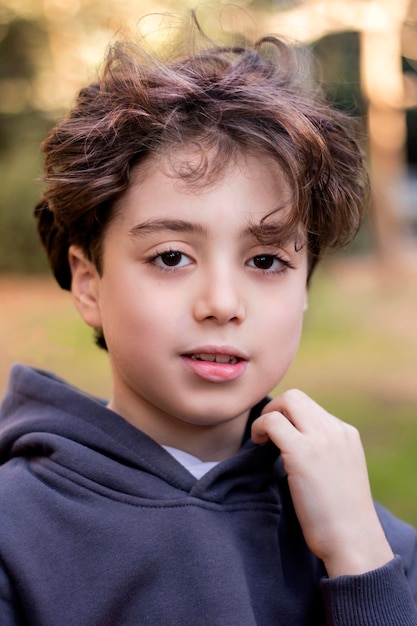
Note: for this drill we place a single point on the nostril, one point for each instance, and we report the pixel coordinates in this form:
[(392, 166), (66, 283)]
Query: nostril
[(219, 305)]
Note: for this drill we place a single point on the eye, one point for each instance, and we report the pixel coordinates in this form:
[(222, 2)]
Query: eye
[(267, 262), (170, 259)]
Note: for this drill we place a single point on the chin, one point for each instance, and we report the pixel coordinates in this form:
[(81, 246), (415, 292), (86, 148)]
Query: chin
[(215, 415)]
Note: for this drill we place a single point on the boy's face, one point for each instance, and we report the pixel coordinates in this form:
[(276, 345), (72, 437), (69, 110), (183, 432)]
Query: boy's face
[(200, 319)]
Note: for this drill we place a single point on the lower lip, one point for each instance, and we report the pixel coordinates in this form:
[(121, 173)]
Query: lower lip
[(215, 372)]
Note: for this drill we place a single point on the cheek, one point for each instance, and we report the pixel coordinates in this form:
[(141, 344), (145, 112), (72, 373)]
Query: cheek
[(280, 337), (286, 327), (281, 329), (140, 317)]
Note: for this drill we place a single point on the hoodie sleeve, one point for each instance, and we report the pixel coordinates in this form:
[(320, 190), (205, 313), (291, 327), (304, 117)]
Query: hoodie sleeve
[(383, 597), (379, 598), (8, 606)]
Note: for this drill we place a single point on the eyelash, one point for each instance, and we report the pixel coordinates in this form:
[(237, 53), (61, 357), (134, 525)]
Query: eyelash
[(166, 268), (285, 265)]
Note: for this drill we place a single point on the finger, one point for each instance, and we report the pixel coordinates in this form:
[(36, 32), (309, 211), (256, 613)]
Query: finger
[(305, 414), (273, 426)]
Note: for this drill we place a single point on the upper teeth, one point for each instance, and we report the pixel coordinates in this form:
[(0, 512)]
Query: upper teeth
[(214, 358)]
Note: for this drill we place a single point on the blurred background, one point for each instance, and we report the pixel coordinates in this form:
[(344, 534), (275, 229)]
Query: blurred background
[(359, 350)]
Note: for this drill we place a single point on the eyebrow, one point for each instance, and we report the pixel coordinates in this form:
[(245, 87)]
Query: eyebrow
[(176, 226), (275, 233), (265, 233)]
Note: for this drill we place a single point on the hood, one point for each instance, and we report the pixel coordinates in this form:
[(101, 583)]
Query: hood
[(44, 419)]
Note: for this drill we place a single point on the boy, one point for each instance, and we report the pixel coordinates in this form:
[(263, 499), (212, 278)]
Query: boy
[(186, 206)]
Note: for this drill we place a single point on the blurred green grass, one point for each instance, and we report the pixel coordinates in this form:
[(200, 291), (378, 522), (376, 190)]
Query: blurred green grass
[(358, 358)]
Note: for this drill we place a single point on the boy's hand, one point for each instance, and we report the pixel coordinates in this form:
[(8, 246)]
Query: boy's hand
[(328, 480)]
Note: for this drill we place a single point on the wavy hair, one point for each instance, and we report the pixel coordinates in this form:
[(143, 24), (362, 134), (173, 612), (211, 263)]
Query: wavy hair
[(222, 100)]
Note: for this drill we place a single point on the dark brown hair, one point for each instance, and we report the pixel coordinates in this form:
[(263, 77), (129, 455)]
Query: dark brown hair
[(221, 100)]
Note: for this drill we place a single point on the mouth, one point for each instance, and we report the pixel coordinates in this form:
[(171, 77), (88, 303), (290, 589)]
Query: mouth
[(215, 358), (216, 364)]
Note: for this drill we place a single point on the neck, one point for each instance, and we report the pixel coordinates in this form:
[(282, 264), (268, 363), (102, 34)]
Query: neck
[(206, 441)]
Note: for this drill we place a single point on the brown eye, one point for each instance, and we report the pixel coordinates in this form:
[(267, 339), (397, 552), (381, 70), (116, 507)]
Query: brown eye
[(171, 259), (264, 261), (268, 263)]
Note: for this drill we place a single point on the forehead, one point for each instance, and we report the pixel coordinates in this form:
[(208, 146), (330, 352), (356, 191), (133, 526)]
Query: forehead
[(190, 184), (196, 170)]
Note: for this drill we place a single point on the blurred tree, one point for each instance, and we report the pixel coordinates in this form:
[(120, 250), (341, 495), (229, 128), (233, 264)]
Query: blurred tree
[(384, 88), (22, 127), (386, 95), (341, 76)]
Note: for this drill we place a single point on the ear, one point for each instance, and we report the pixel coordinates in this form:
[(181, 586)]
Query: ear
[(85, 286)]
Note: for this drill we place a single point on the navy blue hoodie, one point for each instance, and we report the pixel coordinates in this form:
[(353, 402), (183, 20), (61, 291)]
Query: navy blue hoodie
[(100, 526)]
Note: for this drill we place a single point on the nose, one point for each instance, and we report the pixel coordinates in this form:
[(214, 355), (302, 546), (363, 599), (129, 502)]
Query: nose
[(219, 297)]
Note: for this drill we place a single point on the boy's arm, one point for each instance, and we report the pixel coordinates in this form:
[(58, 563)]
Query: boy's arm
[(328, 480)]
